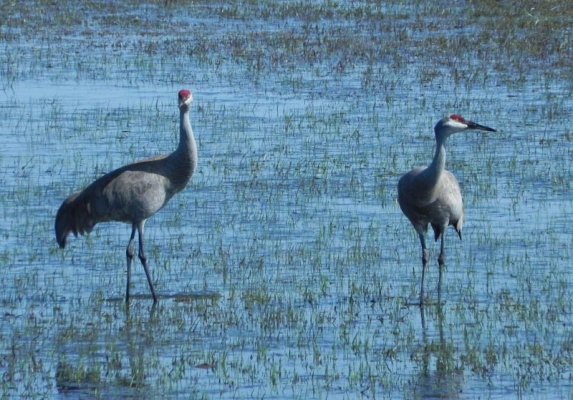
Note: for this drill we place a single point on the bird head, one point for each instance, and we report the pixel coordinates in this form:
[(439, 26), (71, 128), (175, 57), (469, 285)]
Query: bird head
[(456, 123), (185, 98)]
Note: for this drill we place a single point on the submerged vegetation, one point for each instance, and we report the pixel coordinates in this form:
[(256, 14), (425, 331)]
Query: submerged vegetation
[(514, 40), (286, 268)]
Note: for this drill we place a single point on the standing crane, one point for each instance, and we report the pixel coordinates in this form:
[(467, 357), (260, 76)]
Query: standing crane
[(432, 195), (133, 193)]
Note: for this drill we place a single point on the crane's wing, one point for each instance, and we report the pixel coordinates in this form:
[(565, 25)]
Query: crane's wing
[(109, 197), (440, 207)]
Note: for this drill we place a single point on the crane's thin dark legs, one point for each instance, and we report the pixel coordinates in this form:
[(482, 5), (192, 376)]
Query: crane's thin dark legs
[(129, 254), (425, 258), (144, 260), (441, 262)]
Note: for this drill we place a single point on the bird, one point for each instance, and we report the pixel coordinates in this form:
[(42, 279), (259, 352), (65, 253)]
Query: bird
[(133, 193), (432, 195)]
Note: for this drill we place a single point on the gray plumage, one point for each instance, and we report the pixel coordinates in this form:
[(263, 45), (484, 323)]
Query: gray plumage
[(432, 195), (132, 193)]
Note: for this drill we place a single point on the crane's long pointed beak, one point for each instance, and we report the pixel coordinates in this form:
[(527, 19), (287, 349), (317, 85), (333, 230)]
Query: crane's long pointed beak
[(473, 125)]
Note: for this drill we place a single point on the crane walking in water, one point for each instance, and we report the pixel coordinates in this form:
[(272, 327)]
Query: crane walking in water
[(432, 195), (133, 193)]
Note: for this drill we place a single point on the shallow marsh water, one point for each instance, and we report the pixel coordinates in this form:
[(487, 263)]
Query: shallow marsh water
[(286, 269)]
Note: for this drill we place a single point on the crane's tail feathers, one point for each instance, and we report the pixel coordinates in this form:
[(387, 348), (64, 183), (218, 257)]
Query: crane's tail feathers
[(459, 226), (73, 217), (438, 232)]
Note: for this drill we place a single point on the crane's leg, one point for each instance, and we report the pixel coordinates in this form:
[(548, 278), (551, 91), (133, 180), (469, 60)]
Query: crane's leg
[(129, 254), (441, 263), (143, 259), (425, 258)]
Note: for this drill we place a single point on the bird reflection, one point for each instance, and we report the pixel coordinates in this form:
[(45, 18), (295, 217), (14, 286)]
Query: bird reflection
[(136, 346), (440, 374)]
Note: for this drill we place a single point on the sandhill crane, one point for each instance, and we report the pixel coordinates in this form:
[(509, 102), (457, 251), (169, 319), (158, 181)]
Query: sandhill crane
[(432, 195), (133, 193)]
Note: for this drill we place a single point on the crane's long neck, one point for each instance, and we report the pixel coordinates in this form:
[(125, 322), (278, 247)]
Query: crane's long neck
[(431, 175), (187, 143), (184, 158)]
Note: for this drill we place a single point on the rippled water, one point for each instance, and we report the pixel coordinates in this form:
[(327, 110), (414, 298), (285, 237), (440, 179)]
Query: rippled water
[(286, 268)]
